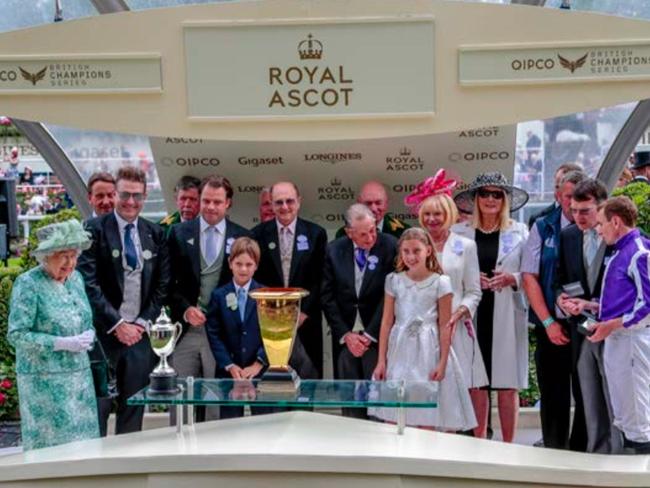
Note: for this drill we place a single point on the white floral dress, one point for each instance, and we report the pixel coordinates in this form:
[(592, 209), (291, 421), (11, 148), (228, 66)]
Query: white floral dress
[(414, 351), (55, 388)]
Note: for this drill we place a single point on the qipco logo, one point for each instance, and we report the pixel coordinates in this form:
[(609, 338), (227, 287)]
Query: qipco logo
[(8, 75), (531, 64), (479, 156)]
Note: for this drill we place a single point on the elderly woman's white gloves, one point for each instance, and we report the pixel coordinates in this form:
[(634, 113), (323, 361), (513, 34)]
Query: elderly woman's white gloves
[(77, 343)]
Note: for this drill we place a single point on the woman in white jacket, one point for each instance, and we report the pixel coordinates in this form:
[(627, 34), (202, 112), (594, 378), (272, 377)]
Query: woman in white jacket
[(501, 317), (457, 256)]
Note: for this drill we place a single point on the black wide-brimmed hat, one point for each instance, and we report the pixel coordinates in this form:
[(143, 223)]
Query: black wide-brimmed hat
[(465, 199), (641, 159)]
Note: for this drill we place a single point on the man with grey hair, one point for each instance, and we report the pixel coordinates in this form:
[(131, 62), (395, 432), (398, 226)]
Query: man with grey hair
[(553, 355), (352, 294)]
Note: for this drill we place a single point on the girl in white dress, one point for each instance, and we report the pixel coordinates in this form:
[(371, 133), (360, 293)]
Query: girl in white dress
[(415, 340)]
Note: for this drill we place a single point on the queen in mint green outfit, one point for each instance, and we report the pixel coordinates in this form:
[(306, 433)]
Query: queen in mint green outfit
[(50, 325)]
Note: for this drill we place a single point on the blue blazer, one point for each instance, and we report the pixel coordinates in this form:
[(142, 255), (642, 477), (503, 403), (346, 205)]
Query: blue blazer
[(231, 340)]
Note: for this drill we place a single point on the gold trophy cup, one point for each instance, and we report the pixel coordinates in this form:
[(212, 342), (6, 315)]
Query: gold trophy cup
[(278, 311)]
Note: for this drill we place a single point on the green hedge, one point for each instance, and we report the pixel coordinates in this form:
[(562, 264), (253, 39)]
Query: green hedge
[(639, 193)]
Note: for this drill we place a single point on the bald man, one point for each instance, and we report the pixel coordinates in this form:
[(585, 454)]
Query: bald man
[(293, 255), (374, 196)]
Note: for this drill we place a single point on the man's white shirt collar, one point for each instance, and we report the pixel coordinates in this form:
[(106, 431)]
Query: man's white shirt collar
[(221, 226), (246, 287), (121, 223), (564, 221), (291, 226)]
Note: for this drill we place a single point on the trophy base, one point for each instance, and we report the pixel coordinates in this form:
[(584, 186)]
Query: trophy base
[(279, 380), (163, 384)]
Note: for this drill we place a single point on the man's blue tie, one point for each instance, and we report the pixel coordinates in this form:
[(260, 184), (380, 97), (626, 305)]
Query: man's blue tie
[(360, 258), (241, 303), (129, 248)]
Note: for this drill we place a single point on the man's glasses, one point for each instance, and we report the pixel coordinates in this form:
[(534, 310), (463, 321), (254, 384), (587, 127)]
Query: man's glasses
[(125, 195), (582, 211), (289, 202), (496, 194)]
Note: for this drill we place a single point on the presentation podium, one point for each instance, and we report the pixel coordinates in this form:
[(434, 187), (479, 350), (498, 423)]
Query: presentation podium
[(311, 393)]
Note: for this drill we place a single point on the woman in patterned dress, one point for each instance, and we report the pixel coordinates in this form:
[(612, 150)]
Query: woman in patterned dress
[(50, 325)]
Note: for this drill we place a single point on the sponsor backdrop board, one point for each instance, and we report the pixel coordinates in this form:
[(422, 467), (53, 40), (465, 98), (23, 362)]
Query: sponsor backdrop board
[(336, 69), (329, 174)]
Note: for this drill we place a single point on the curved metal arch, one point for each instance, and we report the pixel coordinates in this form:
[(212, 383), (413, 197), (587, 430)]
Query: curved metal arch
[(624, 144)]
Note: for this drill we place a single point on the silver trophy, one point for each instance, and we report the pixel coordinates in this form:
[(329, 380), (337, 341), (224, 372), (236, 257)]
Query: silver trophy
[(163, 335)]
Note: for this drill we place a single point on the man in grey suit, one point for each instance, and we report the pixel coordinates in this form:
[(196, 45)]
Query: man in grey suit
[(199, 251), (582, 257)]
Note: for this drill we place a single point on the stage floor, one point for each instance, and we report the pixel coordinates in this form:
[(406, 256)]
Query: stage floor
[(294, 449)]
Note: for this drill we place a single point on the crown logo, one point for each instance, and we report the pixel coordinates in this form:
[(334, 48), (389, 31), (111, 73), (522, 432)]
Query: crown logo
[(335, 182), (405, 151), (310, 48)]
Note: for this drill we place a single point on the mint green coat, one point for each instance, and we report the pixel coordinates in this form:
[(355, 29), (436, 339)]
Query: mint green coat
[(55, 388)]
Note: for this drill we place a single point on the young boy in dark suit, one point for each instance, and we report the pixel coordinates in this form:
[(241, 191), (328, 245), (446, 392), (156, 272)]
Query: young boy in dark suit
[(232, 324)]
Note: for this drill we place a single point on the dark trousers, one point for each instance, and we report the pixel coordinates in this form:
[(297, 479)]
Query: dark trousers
[(311, 336), (352, 368), (301, 361), (557, 378), (104, 406), (132, 367)]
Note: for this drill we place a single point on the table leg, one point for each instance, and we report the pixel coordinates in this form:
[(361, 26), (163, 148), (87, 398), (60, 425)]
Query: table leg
[(401, 411), (190, 396), (179, 418)]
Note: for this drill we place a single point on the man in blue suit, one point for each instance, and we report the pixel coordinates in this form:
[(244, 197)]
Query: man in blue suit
[(232, 324)]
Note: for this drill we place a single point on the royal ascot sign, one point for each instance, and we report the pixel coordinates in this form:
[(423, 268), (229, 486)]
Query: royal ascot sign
[(40, 75), (370, 68), (559, 63)]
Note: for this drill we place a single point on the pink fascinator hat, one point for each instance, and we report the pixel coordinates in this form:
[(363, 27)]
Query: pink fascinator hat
[(434, 185)]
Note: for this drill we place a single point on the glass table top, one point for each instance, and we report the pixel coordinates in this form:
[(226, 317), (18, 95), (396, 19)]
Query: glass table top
[(310, 393)]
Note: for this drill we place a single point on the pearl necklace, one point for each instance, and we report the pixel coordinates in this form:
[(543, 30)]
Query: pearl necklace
[(491, 230)]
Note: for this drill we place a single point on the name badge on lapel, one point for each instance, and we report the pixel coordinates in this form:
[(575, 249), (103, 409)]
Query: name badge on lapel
[(457, 247), (229, 244), (302, 244), (507, 242)]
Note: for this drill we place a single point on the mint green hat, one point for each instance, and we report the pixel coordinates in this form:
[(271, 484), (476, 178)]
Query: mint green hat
[(69, 234)]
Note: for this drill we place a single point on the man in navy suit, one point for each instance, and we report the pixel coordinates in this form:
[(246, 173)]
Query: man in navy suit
[(293, 251), (232, 325), (353, 293), (126, 271), (199, 251)]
